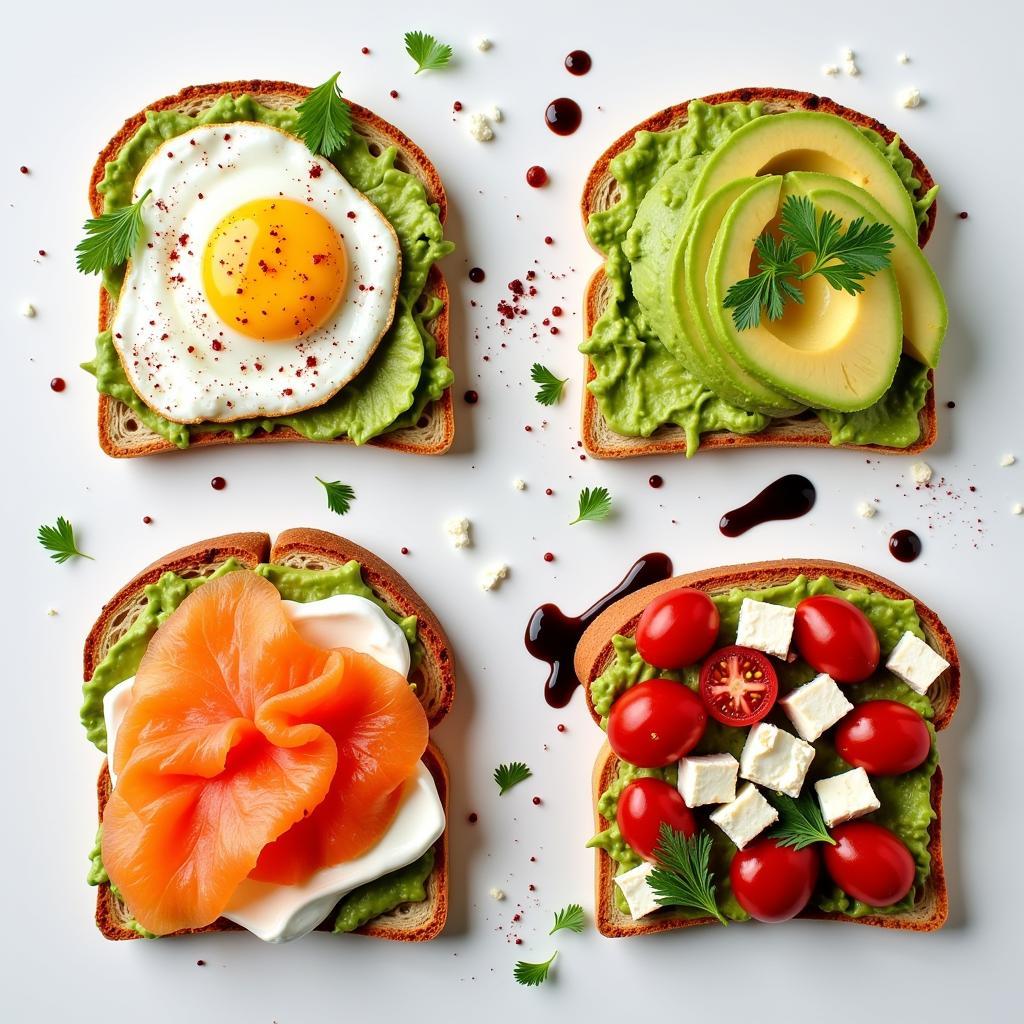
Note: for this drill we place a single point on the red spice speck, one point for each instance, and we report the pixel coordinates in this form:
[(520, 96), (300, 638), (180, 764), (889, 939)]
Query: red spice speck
[(554, 330), (315, 171), (216, 345), (42, 252), (405, 551), (351, 214), (472, 818), (393, 94), (536, 176), (519, 941), (456, 106), (516, 917), (536, 800), (962, 215), (57, 384), (516, 287), (23, 169), (556, 310), (548, 491), (548, 556), (531, 886), (200, 963), (548, 240), (218, 483), (561, 728), (147, 519), (528, 428), (365, 50)]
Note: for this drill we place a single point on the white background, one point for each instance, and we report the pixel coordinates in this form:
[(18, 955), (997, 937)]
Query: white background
[(71, 72)]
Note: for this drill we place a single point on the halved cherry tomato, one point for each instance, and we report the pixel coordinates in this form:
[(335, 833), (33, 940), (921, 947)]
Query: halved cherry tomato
[(677, 628), (643, 805), (771, 882), (870, 863), (836, 637), (884, 737), (738, 685), (656, 723)]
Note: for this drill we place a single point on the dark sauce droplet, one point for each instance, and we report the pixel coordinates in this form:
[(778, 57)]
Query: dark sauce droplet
[(476, 275), (655, 481), (905, 545), (218, 483), (471, 398), (552, 636), (578, 62), (789, 497), (563, 116), (57, 384)]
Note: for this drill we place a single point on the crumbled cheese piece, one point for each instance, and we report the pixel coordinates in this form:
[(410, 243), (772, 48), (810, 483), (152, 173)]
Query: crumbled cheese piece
[(847, 796), (635, 888), (830, 69), (28, 310), (772, 757), (458, 529), (910, 98), (1007, 460), (51, 612), (519, 485), (866, 510), (708, 779), (1017, 509), (848, 54), (916, 663), (495, 114), (497, 894), (765, 627), (903, 58), (815, 706), (850, 63), (745, 817), (921, 473), (483, 44), (493, 577), (480, 128)]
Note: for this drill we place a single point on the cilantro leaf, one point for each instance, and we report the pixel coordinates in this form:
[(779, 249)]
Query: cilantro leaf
[(325, 120), (110, 239), (426, 51), (533, 974), (339, 496), (59, 540), (570, 917), (595, 504), (550, 386), (682, 877), (509, 775)]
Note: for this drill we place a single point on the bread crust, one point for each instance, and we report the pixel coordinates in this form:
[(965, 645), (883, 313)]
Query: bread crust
[(307, 548), (598, 437), (594, 652), (435, 436)]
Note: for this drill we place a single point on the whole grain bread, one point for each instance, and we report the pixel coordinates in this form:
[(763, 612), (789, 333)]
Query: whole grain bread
[(601, 191), (121, 433), (435, 681), (594, 652)]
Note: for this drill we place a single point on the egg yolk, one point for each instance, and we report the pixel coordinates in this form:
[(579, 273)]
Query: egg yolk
[(274, 269)]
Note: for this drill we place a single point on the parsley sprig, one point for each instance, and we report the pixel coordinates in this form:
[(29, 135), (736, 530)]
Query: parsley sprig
[(508, 775), (325, 121), (60, 541), (570, 917), (682, 877), (110, 239), (594, 505), (533, 974), (339, 496), (800, 822), (426, 51), (843, 258), (550, 385)]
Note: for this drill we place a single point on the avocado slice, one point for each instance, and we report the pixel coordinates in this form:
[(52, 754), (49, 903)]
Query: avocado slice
[(804, 140), (925, 316), (687, 290), (833, 351)]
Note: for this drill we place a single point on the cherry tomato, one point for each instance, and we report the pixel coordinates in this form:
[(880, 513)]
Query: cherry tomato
[(870, 863), (656, 723), (836, 637), (884, 737), (771, 882), (738, 685), (677, 628), (643, 805)]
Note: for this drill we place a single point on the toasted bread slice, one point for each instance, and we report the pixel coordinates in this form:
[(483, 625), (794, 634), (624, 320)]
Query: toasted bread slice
[(435, 679), (601, 191), (594, 652), (120, 432)]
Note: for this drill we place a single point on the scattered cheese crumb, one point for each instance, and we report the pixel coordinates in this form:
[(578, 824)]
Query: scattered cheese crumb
[(866, 509), (830, 69), (1007, 460), (519, 485), (850, 63), (921, 473), (480, 128), (497, 894), (848, 54), (458, 529), (910, 98), (483, 44), (1018, 509), (493, 577), (51, 612), (903, 58), (28, 310), (496, 115)]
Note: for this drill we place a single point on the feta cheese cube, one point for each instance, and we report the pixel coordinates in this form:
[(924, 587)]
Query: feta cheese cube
[(458, 530), (493, 577), (765, 627), (775, 759), (480, 128), (846, 796), (815, 706), (916, 663), (866, 510), (910, 98), (921, 473), (519, 484), (745, 817), (710, 779), (635, 888)]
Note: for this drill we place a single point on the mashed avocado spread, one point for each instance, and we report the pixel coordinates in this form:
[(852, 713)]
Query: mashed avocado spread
[(363, 904), (404, 375), (906, 799), (640, 384)]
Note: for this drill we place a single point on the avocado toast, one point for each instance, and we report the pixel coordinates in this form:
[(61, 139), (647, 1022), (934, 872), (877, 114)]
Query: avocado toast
[(674, 206), (608, 664), (310, 567), (401, 398)]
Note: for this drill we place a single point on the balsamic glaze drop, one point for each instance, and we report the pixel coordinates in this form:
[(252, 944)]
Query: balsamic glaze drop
[(578, 62), (905, 545), (789, 497), (563, 116)]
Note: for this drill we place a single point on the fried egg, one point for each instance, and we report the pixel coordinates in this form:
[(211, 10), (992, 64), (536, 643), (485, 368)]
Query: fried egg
[(262, 283)]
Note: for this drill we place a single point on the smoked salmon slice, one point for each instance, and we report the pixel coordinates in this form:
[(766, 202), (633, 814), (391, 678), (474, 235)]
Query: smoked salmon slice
[(248, 751)]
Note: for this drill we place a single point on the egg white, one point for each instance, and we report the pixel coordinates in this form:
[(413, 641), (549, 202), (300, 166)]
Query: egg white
[(164, 327)]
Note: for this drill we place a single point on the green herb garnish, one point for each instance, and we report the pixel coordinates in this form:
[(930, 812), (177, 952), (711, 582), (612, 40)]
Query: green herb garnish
[(594, 505), (570, 917), (550, 385), (533, 974), (110, 239), (844, 259), (59, 540), (682, 877), (509, 775), (325, 121), (429, 54), (339, 496), (800, 822)]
